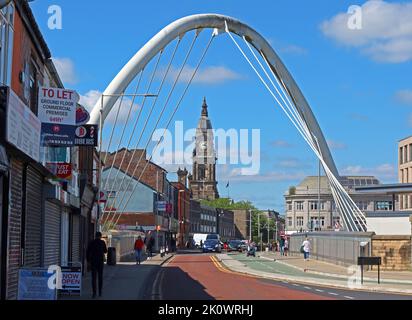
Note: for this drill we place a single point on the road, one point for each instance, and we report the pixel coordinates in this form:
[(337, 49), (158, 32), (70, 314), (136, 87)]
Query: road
[(202, 277)]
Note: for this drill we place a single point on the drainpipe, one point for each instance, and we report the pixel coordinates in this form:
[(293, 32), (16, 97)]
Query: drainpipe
[(4, 3)]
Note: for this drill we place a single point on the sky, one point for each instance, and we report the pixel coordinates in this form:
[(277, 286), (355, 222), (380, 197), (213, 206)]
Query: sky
[(357, 82)]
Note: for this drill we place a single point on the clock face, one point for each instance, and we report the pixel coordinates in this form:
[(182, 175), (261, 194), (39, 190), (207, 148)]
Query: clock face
[(203, 146)]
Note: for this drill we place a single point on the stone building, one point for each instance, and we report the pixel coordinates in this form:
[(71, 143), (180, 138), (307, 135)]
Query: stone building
[(202, 181), (303, 214)]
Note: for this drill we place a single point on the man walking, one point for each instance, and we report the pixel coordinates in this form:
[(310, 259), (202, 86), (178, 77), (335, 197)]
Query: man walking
[(306, 248), (95, 257)]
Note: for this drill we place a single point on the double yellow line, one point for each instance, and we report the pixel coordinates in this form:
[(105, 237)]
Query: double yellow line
[(221, 268)]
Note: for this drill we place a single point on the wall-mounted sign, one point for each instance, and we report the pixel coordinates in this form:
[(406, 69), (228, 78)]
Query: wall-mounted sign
[(161, 206), (57, 112), (61, 170), (57, 135), (86, 135), (57, 155), (22, 126), (82, 115), (57, 106)]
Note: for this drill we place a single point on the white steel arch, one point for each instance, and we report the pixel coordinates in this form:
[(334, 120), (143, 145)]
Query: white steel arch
[(219, 22)]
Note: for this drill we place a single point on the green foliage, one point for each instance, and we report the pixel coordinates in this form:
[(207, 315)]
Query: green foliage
[(229, 204)]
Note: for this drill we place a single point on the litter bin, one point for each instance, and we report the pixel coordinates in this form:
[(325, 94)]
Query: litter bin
[(111, 256)]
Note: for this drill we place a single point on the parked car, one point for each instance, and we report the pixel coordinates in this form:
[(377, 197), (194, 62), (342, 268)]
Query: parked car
[(235, 245), (213, 236), (212, 245)]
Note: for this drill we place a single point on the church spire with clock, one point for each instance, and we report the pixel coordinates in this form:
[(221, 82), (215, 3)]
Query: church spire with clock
[(202, 181)]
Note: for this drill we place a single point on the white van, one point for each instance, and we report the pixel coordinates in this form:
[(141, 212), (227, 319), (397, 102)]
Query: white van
[(197, 237)]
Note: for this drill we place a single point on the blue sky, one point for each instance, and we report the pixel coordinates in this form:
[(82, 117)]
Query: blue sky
[(358, 84)]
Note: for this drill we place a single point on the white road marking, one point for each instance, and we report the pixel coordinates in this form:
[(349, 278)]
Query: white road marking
[(318, 290), (333, 293), (296, 285), (347, 297), (308, 288)]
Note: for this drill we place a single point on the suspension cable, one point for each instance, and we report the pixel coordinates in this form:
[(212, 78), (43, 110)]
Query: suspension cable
[(174, 111), (135, 125), (161, 113), (303, 130)]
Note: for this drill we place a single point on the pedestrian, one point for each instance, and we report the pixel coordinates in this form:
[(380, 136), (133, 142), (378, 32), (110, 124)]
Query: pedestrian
[(95, 257), (138, 247), (286, 247), (306, 248), (201, 243), (149, 246), (282, 246)]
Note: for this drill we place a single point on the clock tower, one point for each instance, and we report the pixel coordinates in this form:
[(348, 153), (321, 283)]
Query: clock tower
[(202, 181)]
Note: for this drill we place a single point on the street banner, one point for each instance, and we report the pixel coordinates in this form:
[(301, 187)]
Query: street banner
[(34, 285), (57, 112), (71, 281), (61, 170), (86, 135)]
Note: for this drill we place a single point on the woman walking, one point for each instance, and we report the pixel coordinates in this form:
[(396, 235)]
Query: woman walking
[(138, 247)]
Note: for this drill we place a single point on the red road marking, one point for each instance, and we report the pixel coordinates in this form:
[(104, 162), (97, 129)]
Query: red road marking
[(228, 286)]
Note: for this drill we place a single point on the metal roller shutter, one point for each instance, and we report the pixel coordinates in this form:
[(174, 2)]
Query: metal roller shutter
[(33, 219), (52, 230), (75, 238)]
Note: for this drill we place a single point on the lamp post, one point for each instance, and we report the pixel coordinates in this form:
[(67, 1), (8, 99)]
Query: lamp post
[(250, 225)]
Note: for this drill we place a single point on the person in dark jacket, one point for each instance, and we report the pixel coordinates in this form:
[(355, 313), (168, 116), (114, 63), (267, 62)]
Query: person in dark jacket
[(95, 257)]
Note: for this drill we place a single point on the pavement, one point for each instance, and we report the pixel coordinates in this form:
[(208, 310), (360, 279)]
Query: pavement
[(125, 280), (294, 269)]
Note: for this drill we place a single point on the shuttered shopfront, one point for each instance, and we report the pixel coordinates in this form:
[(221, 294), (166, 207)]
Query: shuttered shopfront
[(33, 218), (52, 232), (75, 238)]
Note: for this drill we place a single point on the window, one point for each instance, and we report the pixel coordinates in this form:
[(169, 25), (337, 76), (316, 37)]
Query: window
[(362, 205), (313, 205), (410, 152), (383, 206), (289, 205), (405, 154), (299, 205), (290, 221), (6, 43), (401, 155), (299, 221)]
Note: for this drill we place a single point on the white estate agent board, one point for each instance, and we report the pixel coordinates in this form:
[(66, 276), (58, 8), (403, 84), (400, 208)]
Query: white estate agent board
[(57, 106), (23, 127)]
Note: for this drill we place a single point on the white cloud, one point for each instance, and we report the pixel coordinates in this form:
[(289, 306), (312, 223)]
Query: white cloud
[(386, 33), (336, 145), (208, 75), (66, 70), (384, 171), (280, 144), (404, 96), (89, 99)]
